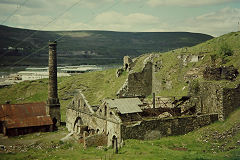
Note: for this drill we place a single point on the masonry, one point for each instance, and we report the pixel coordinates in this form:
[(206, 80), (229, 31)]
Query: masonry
[(82, 117), (155, 129), (213, 97), (138, 84)]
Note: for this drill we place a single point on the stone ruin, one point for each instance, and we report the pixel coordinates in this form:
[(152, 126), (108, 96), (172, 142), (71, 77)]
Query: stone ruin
[(220, 73), (206, 103), (128, 64)]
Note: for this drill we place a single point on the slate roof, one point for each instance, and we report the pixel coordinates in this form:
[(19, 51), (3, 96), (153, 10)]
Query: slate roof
[(24, 115), (125, 105)]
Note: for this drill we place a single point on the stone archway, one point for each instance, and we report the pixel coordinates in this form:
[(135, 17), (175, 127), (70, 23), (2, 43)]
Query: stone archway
[(126, 66), (77, 125), (115, 144), (54, 120)]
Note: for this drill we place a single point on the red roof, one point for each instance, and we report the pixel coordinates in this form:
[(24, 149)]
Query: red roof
[(24, 115)]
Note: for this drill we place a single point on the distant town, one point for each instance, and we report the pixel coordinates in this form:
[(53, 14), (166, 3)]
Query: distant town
[(34, 73)]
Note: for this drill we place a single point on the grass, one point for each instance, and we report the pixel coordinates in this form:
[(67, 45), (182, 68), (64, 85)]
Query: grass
[(174, 70), (200, 144)]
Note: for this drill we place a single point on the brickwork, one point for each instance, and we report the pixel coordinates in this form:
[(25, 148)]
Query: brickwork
[(53, 105)]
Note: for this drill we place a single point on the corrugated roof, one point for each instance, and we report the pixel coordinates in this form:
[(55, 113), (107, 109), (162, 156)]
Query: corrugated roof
[(24, 115), (125, 105)]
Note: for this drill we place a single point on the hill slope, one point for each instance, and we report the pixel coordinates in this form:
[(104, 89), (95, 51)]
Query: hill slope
[(97, 47)]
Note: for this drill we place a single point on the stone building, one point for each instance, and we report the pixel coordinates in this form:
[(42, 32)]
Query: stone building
[(104, 119), (126, 118)]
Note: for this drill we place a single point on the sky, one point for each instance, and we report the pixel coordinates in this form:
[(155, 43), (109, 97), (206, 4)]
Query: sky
[(214, 17)]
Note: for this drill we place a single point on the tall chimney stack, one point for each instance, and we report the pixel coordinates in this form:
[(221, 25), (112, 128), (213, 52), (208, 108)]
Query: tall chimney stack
[(53, 105)]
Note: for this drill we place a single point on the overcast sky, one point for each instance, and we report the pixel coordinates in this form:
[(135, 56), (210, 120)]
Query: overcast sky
[(214, 17)]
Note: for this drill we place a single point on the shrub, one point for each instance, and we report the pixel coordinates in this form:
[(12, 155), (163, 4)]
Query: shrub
[(225, 51)]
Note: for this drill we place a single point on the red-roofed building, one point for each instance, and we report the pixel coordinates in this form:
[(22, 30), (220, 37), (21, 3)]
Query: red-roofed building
[(18, 119)]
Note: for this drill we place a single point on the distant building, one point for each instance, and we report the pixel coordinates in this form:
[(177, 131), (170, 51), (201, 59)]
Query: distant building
[(80, 69), (32, 75)]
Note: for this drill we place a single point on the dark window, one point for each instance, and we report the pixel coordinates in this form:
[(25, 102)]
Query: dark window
[(105, 111)]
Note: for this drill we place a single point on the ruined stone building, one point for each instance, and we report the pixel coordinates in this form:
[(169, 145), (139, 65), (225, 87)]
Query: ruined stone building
[(130, 116), (104, 120)]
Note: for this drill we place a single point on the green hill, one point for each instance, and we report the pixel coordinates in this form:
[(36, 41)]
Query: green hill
[(88, 47)]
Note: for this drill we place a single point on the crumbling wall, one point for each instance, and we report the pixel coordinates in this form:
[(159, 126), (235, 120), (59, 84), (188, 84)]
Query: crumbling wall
[(211, 97), (155, 129), (138, 83), (208, 98), (231, 100), (127, 63), (227, 73), (95, 140)]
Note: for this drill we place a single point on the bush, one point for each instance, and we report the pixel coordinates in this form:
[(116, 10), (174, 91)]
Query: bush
[(225, 51)]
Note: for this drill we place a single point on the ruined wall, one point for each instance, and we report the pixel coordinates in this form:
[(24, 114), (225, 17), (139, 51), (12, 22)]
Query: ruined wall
[(95, 140), (227, 73), (138, 83), (231, 100), (210, 97), (155, 129)]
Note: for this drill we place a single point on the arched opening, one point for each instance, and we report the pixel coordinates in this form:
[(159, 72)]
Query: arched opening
[(115, 144), (1, 126), (105, 111), (54, 120), (126, 66), (77, 125)]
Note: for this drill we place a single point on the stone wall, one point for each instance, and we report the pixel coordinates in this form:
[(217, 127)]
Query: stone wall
[(231, 100), (212, 97), (155, 129), (227, 73), (96, 140), (138, 83)]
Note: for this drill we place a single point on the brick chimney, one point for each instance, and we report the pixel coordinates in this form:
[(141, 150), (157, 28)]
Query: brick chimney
[(53, 105)]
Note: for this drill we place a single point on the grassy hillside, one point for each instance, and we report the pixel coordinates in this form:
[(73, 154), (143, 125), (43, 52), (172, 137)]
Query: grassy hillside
[(100, 47), (175, 70), (219, 141), (95, 86)]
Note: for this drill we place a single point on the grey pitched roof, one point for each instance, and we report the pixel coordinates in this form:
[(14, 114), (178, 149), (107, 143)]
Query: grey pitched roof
[(125, 105)]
